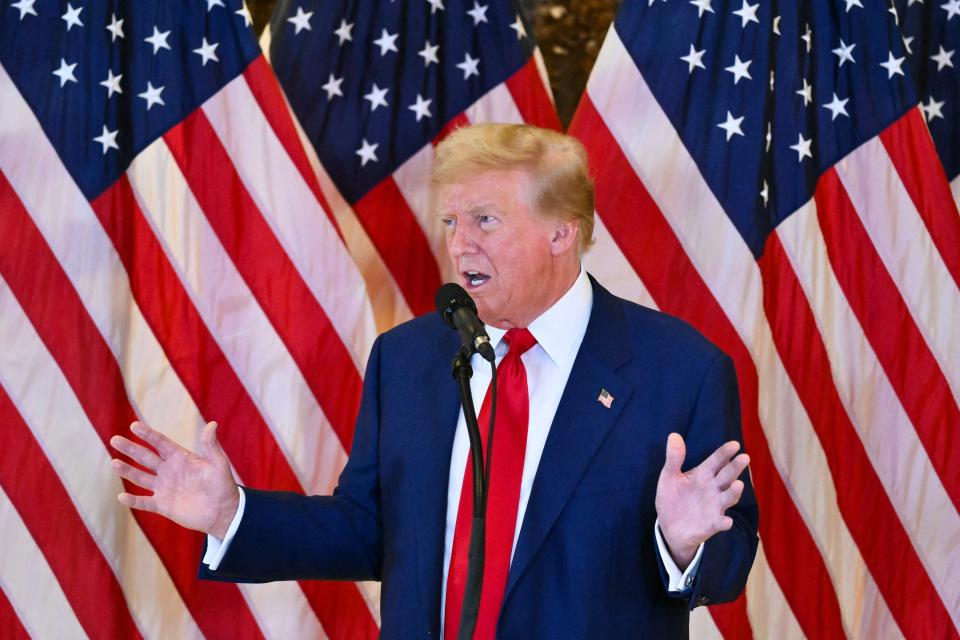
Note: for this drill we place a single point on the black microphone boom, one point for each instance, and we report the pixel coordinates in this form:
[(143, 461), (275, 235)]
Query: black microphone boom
[(458, 310)]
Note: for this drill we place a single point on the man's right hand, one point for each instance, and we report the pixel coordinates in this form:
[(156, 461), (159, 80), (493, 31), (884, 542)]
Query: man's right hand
[(195, 491)]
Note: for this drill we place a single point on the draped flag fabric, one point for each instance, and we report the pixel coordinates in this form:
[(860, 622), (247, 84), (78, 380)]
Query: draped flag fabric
[(171, 251), (764, 171)]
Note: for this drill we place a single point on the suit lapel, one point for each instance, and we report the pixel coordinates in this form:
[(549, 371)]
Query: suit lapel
[(579, 428), (432, 450)]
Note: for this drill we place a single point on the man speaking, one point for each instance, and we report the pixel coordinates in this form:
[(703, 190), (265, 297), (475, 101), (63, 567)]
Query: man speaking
[(591, 531)]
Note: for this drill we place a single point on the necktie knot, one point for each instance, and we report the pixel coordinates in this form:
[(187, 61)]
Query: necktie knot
[(520, 341)]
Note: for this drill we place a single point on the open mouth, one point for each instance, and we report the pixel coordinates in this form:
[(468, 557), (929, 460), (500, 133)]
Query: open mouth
[(474, 279)]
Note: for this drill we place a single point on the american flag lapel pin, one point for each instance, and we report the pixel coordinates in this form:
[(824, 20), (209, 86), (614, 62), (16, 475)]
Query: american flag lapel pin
[(605, 398)]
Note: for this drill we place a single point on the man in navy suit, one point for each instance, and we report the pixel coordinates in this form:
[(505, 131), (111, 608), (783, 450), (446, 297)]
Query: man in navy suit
[(612, 538)]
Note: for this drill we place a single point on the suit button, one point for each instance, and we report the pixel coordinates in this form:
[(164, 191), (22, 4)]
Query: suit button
[(702, 600)]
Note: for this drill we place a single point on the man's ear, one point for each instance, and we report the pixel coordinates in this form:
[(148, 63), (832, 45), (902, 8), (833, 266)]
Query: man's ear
[(565, 236)]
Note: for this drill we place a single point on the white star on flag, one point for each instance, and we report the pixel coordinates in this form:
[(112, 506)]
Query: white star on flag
[(158, 40), (152, 95), (65, 72), (434, 5), (702, 5), (421, 107), (377, 97), (207, 51), (112, 83), (932, 109), (747, 13), (952, 8), (806, 92), (853, 3), (301, 20), (739, 69), (367, 152), (837, 107), (807, 38), (344, 32), (244, 13), (429, 53), (732, 126), (802, 147), (332, 87), (694, 59), (25, 7), (519, 28), (214, 3), (108, 139), (72, 16), (387, 42), (478, 13), (845, 52), (115, 28), (469, 66), (943, 58), (892, 65)]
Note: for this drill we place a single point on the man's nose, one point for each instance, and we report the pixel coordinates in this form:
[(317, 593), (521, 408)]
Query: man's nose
[(460, 242)]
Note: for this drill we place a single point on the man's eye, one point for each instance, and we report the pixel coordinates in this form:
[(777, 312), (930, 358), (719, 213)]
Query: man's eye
[(485, 219), (447, 222)]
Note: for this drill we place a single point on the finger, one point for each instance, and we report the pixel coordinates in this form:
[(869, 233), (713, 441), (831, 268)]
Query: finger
[(730, 497), (720, 457), (724, 523), (676, 452), (143, 503), (210, 445), (732, 471), (136, 451), (164, 445), (134, 475)]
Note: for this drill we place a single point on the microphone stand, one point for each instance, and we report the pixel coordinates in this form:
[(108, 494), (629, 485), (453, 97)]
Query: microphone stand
[(462, 372)]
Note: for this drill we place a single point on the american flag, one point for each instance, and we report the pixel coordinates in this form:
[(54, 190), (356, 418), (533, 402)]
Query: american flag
[(764, 171), (173, 252)]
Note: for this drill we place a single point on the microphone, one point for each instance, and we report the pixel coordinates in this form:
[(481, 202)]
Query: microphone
[(458, 310)]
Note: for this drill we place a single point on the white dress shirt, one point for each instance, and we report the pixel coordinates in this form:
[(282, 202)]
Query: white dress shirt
[(559, 332)]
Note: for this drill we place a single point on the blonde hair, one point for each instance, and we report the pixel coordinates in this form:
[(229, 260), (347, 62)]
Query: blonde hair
[(557, 164)]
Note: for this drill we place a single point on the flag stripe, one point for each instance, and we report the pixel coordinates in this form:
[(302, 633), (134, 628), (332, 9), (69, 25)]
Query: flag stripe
[(80, 568), (911, 151), (37, 603), (888, 326), (301, 324), (293, 213), (94, 377), (531, 97), (10, 626), (770, 614), (216, 390), (402, 245), (416, 192), (664, 267), (606, 262), (861, 497), (900, 238)]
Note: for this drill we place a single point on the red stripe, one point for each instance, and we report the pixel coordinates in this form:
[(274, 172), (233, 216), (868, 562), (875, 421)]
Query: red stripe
[(10, 626), (533, 101), (861, 497), (37, 280), (666, 270), (207, 375), (300, 321), (401, 243), (83, 573), (911, 150), (269, 95), (731, 618), (907, 360)]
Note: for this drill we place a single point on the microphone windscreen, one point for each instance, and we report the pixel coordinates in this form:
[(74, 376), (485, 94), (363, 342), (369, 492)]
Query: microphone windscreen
[(451, 296)]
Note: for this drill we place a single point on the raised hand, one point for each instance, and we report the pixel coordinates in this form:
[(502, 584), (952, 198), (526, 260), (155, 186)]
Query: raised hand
[(195, 491), (691, 505)]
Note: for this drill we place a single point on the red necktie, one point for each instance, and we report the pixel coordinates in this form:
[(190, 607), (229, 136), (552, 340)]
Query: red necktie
[(506, 470)]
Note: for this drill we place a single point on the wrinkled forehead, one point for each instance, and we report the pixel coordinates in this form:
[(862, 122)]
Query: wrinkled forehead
[(483, 191)]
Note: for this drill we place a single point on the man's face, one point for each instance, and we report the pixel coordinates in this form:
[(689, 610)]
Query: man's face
[(503, 252)]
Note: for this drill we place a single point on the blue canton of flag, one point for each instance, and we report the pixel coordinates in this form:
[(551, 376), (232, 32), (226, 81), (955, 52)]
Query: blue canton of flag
[(106, 79)]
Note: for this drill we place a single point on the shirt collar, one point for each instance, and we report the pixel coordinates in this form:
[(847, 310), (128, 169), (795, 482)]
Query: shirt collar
[(559, 330)]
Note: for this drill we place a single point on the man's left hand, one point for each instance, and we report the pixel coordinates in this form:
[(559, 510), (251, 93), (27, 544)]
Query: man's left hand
[(691, 505)]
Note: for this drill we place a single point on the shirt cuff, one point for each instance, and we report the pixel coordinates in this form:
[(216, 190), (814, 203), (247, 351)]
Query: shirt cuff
[(217, 548), (679, 581)]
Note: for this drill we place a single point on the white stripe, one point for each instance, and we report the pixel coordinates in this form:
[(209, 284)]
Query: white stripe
[(702, 626), (243, 332), (29, 584), (544, 76), (901, 239), (606, 262), (767, 609), (291, 209), (389, 306), (725, 263), (46, 402), (955, 189), (282, 610), (889, 438), (496, 105), (413, 180)]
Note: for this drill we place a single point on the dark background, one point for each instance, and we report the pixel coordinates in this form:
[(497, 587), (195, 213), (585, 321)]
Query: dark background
[(569, 33)]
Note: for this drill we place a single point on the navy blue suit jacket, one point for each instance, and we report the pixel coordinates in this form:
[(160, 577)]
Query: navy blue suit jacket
[(586, 563)]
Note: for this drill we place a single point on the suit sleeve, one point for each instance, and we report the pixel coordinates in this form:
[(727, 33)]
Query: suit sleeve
[(728, 555), (288, 536)]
